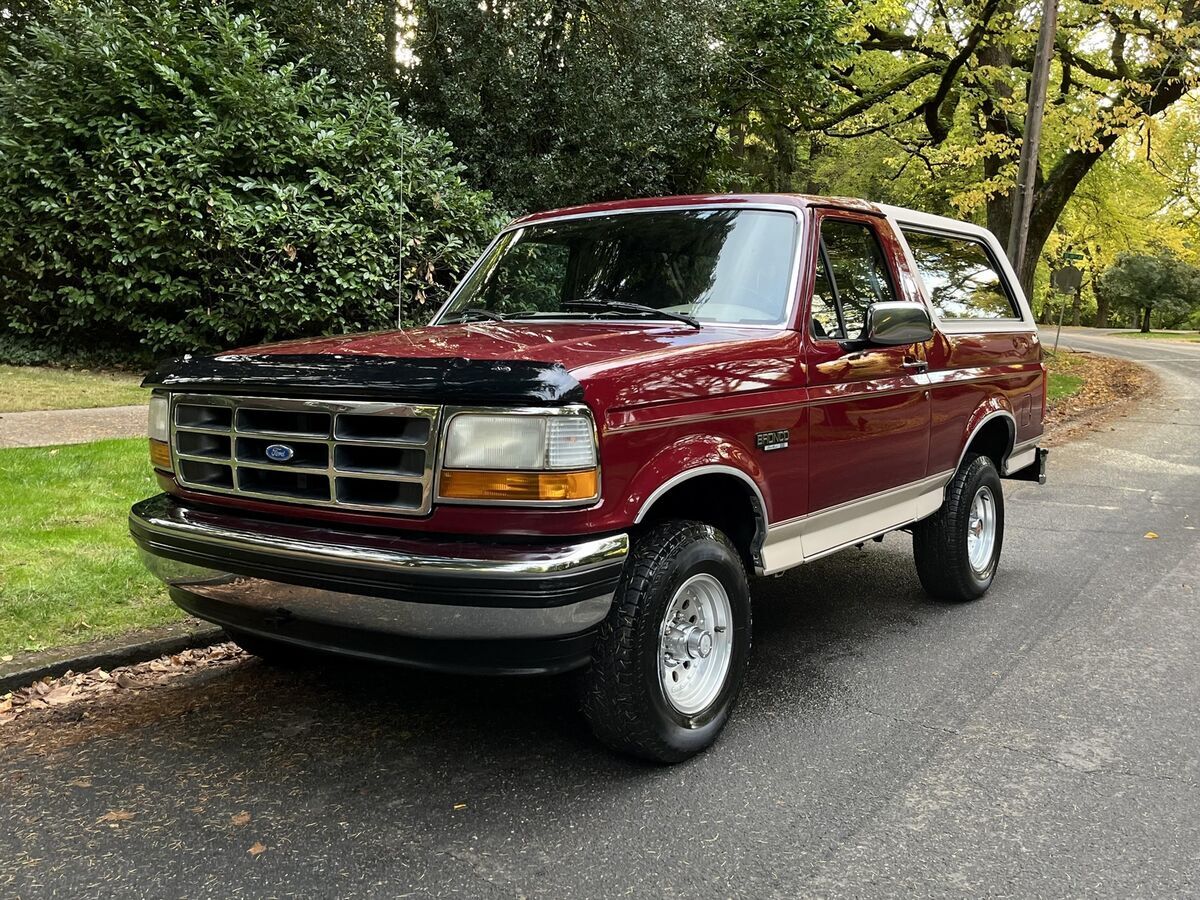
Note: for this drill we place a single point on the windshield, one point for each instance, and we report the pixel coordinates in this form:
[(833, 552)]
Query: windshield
[(716, 265)]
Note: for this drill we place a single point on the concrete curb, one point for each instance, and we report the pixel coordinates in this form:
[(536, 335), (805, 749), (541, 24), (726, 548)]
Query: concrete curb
[(123, 650)]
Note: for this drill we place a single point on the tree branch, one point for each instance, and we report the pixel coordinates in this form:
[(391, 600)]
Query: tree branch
[(879, 94), (937, 127)]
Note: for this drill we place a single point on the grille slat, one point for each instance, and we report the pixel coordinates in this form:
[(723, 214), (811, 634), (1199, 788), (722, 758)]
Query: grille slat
[(349, 454)]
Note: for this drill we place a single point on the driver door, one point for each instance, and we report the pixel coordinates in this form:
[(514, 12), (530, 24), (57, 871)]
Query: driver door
[(870, 406)]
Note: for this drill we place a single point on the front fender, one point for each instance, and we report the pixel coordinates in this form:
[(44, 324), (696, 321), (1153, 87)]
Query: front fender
[(692, 457)]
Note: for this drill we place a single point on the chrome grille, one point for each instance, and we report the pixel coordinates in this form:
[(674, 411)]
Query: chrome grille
[(349, 454)]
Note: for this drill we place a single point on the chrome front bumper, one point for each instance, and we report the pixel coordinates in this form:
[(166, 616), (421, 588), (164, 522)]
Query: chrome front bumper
[(376, 594)]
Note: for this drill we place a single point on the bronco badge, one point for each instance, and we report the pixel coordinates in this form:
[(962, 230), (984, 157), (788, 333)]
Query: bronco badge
[(772, 440)]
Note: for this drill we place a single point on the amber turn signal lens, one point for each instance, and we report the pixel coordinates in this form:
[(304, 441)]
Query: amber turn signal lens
[(160, 455), (518, 486)]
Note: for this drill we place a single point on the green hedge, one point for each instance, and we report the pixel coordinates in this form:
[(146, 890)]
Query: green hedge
[(167, 184)]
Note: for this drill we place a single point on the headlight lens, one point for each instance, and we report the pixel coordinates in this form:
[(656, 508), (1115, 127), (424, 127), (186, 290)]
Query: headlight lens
[(159, 429), (160, 415), (521, 442)]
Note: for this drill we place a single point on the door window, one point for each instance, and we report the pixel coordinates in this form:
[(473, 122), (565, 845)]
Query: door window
[(851, 275)]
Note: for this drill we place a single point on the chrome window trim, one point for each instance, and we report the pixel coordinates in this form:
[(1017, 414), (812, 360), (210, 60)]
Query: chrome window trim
[(450, 412), (333, 408), (793, 285)]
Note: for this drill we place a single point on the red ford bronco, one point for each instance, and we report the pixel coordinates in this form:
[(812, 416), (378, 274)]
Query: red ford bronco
[(622, 412)]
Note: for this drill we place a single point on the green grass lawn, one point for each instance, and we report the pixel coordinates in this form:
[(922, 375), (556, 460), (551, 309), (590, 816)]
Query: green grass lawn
[(68, 569), (1162, 335), (38, 387), (1062, 386), (1063, 380)]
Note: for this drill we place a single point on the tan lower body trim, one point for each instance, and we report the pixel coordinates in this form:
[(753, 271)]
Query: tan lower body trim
[(818, 534), (1024, 454)]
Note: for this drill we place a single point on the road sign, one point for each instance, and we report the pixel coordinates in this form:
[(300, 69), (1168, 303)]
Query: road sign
[(1071, 256), (1067, 279)]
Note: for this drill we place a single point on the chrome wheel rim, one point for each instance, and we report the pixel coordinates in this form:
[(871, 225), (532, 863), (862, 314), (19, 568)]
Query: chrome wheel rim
[(695, 644), (981, 530)]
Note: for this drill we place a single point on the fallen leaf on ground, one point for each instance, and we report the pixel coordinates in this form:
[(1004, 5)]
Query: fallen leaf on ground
[(116, 815), (7, 657), (460, 806), (242, 818), (1105, 380), (80, 783), (1150, 536), (73, 687), (257, 848)]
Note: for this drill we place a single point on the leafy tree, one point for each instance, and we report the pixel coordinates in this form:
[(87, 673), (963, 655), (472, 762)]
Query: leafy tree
[(556, 102), (1134, 200), (770, 59), (353, 40), (944, 86), (16, 16), (1152, 283), (166, 179)]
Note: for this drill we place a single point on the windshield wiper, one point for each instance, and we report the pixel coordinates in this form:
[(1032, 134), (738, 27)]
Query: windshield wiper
[(601, 305), (478, 312)]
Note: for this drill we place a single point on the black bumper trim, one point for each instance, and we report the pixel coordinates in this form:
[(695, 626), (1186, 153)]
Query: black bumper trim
[(540, 656)]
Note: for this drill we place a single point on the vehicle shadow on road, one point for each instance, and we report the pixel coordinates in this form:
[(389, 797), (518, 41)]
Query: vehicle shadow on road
[(346, 718)]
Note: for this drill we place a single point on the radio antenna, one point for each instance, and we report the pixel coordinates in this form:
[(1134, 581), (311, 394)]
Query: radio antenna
[(400, 263)]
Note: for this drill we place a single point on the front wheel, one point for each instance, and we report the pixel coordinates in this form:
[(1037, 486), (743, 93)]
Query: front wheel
[(957, 549), (669, 660)]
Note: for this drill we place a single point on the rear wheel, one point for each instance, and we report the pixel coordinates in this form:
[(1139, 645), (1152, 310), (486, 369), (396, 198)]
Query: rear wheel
[(957, 549), (669, 660)]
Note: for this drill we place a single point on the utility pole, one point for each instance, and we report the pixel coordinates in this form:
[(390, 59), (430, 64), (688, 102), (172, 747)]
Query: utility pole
[(1018, 235)]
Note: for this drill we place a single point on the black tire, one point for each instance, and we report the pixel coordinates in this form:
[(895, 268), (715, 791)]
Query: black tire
[(940, 545), (275, 653), (623, 699)]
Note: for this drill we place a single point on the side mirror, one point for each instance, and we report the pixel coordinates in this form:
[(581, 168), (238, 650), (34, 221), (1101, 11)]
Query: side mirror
[(893, 324)]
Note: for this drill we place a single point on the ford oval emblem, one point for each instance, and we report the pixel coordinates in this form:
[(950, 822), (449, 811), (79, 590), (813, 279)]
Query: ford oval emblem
[(279, 452)]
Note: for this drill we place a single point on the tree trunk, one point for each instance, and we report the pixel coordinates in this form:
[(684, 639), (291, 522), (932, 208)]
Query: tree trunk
[(391, 39), (1000, 205), (737, 134), (1101, 311), (1075, 307), (783, 166), (1146, 321), (815, 149), (1052, 193)]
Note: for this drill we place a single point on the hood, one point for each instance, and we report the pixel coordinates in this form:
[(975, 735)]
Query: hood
[(486, 362), (570, 344)]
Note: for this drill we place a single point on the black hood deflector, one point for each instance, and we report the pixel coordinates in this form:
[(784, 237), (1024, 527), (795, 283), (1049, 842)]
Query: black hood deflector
[(447, 380)]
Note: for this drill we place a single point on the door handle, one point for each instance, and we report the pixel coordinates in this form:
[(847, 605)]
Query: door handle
[(919, 365)]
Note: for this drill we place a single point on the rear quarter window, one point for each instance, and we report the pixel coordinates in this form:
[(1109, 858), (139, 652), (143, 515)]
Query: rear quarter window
[(961, 276)]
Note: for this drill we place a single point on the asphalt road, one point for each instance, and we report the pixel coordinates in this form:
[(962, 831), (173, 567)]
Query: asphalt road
[(1043, 742)]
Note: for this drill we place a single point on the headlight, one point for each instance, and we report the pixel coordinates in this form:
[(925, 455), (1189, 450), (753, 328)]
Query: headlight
[(519, 442), (159, 430), (520, 457)]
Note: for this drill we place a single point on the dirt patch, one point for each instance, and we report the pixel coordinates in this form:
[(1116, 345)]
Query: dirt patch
[(1109, 387)]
